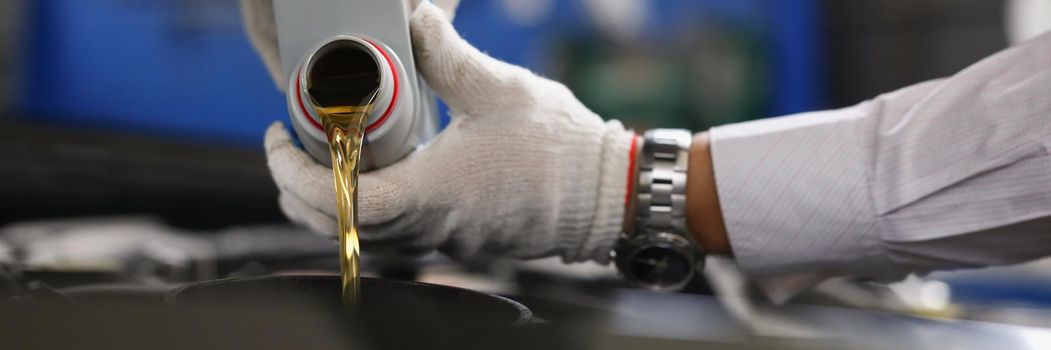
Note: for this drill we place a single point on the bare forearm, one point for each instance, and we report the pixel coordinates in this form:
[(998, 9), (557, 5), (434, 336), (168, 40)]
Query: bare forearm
[(704, 218)]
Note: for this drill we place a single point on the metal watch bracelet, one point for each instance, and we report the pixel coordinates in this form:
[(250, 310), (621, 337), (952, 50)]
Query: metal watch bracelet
[(658, 253), (661, 198)]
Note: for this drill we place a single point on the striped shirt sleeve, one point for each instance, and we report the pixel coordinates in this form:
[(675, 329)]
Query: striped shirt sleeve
[(896, 183)]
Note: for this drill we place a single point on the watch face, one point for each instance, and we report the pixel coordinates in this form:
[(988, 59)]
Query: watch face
[(660, 266)]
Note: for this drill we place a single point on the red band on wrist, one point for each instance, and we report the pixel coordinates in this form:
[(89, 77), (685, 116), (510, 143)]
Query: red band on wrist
[(632, 152)]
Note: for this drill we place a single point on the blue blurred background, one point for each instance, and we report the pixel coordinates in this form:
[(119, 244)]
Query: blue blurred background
[(184, 69)]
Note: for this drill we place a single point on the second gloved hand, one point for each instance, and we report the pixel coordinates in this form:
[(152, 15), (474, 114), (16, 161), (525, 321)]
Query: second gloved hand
[(523, 170)]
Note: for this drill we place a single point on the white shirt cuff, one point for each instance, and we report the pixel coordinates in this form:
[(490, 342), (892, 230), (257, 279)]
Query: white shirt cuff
[(794, 198)]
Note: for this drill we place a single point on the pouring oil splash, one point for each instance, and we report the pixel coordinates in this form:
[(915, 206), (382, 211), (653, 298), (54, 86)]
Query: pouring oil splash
[(343, 87)]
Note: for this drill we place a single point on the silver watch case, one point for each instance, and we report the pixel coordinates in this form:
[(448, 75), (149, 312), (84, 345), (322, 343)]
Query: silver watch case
[(659, 261)]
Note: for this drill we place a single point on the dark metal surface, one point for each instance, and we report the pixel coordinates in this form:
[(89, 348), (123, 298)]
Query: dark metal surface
[(381, 298), (61, 171)]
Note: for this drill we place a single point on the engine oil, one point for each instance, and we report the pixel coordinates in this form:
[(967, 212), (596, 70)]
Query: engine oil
[(343, 84)]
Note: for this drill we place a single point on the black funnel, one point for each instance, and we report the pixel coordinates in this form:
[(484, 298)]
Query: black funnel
[(391, 314)]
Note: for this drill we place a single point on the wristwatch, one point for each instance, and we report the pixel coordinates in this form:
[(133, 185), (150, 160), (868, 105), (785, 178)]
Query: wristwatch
[(659, 253)]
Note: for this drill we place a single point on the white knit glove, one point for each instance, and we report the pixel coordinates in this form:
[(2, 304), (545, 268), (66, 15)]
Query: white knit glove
[(523, 170)]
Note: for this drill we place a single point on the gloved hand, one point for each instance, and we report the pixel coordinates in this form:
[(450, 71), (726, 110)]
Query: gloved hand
[(523, 170)]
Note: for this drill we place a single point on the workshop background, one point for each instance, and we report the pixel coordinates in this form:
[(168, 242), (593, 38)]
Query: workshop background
[(181, 100), (155, 110)]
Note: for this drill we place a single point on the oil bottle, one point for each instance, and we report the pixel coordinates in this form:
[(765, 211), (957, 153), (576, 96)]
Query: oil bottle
[(404, 114), (354, 98)]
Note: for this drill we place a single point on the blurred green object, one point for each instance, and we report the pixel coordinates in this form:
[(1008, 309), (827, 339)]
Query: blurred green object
[(712, 76)]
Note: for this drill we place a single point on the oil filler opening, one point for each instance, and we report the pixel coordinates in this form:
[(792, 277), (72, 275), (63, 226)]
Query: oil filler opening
[(342, 72)]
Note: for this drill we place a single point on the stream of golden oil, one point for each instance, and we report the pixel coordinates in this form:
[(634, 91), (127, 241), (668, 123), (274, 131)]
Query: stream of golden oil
[(345, 127), (343, 84)]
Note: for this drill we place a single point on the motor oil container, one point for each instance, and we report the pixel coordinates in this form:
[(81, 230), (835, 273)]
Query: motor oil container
[(311, 31)]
